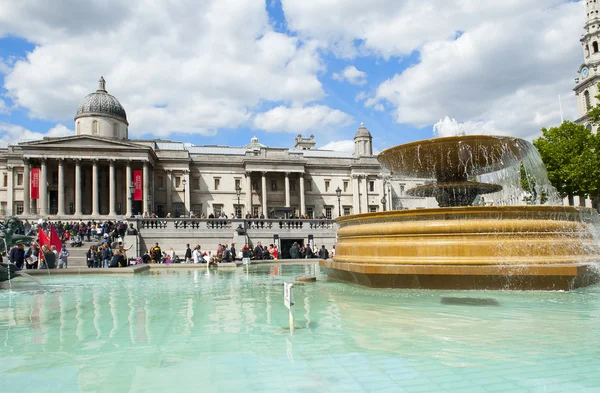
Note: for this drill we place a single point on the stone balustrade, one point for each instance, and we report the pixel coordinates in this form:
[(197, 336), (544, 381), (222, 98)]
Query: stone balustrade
[(227, 224)]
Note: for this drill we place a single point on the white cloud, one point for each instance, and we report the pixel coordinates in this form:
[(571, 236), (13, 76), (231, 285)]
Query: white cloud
[(312, 118), (188, 67), (13, 133), (4, 66), (498, 64), (3, 107), (346, 145), (502, 76), (352, 75)]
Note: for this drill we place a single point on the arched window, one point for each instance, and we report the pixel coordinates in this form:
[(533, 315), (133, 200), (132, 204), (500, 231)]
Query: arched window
[(95, 128), (595, 46), (115, 130), (586, 99)]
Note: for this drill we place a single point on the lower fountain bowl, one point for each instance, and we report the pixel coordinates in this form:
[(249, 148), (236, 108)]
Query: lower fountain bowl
[(493, 247)]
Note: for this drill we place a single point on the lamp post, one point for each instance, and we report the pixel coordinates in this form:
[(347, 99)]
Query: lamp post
[(238, 192), (183, 183), (131, 191), (338, 192)]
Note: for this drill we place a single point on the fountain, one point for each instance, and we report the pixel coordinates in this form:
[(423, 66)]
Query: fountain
[(461, 246)]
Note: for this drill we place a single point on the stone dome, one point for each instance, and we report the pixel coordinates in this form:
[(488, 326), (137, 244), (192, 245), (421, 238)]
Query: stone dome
[(362, 132), (101, 103)]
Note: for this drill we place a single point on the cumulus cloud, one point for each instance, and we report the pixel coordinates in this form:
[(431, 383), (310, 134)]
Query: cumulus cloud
[(190, 67), (496, 66), (3, 107), (313, 118), (13, 133), (346, 145), (352, 75)]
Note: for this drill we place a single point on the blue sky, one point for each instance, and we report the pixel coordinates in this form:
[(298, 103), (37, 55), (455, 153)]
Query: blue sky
[(227, 70)]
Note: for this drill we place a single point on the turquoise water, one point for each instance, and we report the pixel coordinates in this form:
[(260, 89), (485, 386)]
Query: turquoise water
[(186, 331)]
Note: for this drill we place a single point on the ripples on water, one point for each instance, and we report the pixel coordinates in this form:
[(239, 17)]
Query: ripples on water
[(182, 331)]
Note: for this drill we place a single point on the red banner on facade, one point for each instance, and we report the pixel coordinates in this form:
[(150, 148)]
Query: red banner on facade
[(137, 183), (35, 183)]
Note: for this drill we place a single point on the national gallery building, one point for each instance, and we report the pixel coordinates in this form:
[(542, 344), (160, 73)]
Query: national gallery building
[(100, 173)]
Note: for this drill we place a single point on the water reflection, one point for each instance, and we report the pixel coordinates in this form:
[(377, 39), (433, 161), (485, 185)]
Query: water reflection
[(129, 333)]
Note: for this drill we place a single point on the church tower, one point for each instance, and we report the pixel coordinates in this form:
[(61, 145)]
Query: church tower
[(586, 88)]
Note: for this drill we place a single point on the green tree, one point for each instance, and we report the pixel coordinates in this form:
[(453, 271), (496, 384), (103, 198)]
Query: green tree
[(570, 154), (529, 185)]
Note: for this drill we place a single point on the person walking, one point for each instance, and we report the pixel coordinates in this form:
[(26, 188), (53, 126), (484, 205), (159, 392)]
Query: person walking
[(188, 254), (63, 257), (323, 253)]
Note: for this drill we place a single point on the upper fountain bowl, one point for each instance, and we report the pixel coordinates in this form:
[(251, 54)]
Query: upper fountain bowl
[(455, 157)]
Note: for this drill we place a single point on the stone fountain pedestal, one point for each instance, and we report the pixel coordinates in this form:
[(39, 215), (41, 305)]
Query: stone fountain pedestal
[(503, 247)]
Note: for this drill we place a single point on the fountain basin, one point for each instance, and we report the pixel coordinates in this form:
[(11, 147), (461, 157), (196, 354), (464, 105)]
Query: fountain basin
[(480, 247)]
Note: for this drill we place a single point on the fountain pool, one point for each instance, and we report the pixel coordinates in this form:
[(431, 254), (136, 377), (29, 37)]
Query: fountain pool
[(182, 331)]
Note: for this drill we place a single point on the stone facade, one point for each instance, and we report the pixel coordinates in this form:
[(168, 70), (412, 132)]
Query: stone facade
[(586, 88), (89, 175)]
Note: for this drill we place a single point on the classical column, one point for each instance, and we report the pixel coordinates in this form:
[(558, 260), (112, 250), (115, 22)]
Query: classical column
[(248, 193), (302, 200), (287, 189), (169, 186), (187, 195), (61, 187), (146, 192), (355, 195), (10, 190), (264, 194), (95, 188), (26, 187), (127, 185), (365, 199), (43, 188), (78, 207), (112, 211)]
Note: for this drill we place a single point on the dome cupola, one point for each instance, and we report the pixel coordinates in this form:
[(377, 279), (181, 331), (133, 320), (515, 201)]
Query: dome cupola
[(101, 114)]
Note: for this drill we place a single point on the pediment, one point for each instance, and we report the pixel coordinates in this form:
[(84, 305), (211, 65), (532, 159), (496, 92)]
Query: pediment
[(82, 142)]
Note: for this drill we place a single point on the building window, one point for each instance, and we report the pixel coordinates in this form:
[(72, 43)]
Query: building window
[(177, 181), (95, 127), (327, 184), (238, 183), (196, 209), (160, 182), (160, 210), (273, 185), (239, 210), (328, 212), (254, 185), (345, 186), (196, 183), (5, 183), (179, 209), (308, 185), (217, 183), (55, 178), (19, 179), (19, 207), (347, 210), (371, 186), (595, 46), (217, 209), (586, 99), (372, 209), (310, 211), (115, 130)]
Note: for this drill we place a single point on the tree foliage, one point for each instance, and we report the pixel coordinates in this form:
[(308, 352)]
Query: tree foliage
[(570, 153)]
